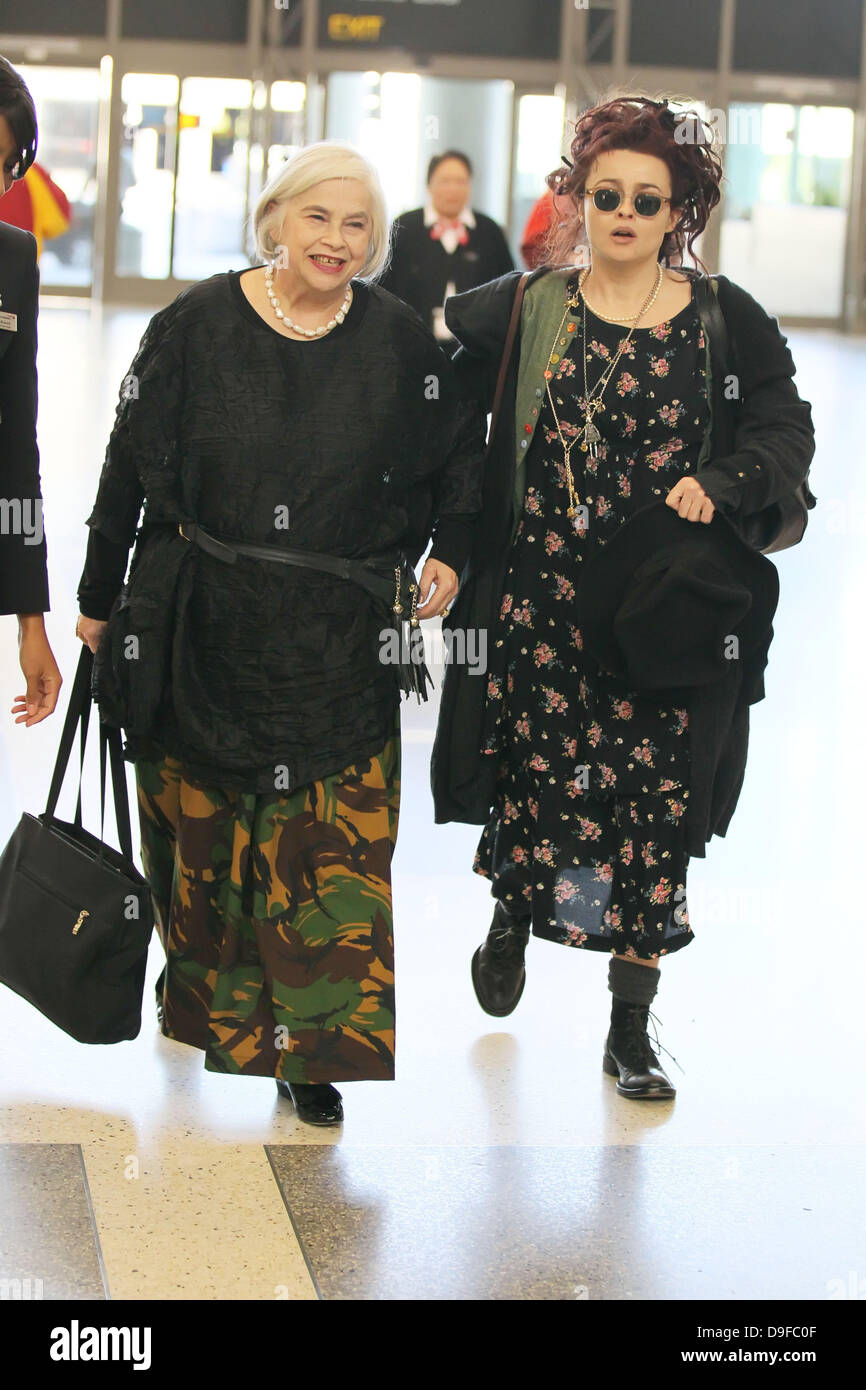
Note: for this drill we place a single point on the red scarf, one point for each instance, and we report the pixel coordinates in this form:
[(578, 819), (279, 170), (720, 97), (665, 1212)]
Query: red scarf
[(444, 223)]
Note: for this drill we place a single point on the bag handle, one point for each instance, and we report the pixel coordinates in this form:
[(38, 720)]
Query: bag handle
[(78, 713), (82, 730), (506, 352), (109, 742)]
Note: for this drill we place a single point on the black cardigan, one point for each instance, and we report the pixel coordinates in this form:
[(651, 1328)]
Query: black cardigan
[(355, 445), (760, 449), (23, 568)]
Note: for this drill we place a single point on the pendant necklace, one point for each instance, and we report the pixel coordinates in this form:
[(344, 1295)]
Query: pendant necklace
[(593, 403)]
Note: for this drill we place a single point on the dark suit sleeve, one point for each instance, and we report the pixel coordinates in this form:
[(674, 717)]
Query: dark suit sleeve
[(23, 552), (775, 437)]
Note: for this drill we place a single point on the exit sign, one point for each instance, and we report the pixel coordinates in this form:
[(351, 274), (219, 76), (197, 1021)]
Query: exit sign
[(468, 28)]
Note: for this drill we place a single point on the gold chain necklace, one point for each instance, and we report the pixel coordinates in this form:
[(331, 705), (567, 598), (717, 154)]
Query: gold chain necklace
[(626, 318), (593, 403)]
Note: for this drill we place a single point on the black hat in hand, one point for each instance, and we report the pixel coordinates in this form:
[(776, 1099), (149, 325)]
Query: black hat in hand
[(659, 604)]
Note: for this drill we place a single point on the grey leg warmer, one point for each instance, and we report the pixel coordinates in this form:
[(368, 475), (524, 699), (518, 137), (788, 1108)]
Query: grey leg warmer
[(636, 984)]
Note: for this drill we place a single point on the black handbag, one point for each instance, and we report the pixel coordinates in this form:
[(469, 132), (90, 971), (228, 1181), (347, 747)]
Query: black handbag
[(781, 524), (76, 915)]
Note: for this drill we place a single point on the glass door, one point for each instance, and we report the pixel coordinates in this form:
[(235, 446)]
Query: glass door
[(146, 177), (190, 164), (538, 145), (67, 102), (786, 205), (211, 193), (400, 120)]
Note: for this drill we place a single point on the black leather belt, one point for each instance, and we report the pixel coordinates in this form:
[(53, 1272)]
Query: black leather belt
[(343, 568), (395, 585)]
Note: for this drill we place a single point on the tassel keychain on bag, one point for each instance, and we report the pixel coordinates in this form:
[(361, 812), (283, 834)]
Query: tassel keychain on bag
[(412, 671)]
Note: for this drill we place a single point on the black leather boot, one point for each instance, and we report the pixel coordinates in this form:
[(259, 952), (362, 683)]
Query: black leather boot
[(498, 971), (317, 1103), (628, 1053)]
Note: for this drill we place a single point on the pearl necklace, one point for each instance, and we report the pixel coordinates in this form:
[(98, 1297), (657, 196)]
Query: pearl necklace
[(284, 318)]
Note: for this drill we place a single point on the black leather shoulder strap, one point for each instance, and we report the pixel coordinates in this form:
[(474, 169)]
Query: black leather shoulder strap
[(707, 300), (507, 350)]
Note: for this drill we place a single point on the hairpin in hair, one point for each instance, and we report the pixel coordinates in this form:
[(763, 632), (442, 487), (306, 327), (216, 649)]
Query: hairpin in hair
[(567, 161)]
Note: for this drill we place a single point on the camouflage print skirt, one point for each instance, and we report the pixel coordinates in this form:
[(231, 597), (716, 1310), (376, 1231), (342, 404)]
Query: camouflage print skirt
[(275, 916)]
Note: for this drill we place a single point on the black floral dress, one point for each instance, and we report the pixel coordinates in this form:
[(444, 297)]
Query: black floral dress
[(588, 830)]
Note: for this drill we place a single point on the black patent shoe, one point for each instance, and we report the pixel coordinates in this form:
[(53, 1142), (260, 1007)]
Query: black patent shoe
[(318, 1103), (498, 970), (629, 1056), (160, 1010)]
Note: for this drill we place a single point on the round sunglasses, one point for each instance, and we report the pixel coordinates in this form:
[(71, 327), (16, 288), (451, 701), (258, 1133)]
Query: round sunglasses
[(609, 199)]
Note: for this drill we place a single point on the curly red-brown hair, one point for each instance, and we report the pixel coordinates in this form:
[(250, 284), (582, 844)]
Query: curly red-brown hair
[(683, 140)]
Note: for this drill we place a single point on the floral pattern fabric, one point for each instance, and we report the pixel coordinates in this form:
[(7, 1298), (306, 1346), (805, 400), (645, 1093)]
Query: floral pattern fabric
[(588, 829)]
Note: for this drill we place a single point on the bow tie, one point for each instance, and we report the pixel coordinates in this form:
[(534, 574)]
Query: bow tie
[(446, 224)]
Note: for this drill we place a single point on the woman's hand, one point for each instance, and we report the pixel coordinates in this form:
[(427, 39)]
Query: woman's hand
[(446, 586), (688, 498), (40, 671), (90, 631)]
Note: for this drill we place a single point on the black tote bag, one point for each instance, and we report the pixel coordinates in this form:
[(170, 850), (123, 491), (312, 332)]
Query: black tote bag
[(75, 914)]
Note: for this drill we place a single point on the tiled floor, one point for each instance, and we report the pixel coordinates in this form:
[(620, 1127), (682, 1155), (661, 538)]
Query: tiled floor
[(501, 1163)]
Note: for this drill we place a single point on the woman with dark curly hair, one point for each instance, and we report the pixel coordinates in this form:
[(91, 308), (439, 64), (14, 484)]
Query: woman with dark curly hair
[(597, 777)]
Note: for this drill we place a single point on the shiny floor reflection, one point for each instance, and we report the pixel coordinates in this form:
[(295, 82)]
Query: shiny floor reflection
[(589, 1222)]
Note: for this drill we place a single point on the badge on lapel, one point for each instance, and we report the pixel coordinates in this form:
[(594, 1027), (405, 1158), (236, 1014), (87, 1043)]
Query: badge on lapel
[(8, 321)]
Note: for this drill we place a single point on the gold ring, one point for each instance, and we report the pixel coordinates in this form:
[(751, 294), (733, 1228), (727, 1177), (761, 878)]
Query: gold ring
[(445, 610)]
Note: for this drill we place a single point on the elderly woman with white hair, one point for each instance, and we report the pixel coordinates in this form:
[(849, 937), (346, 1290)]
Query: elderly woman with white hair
[(295, 437)]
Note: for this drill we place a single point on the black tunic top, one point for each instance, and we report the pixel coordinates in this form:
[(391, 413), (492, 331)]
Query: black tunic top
[(354, 444)]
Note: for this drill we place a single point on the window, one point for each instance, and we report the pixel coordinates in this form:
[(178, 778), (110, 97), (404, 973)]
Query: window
[(667, 33), (205, 21), (799, 36), (82, 19)]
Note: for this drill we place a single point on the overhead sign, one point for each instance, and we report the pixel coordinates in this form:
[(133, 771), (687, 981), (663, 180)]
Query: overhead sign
[(469, 28)]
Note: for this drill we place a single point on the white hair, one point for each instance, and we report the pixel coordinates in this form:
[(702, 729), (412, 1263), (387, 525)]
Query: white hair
[(326, 159)]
